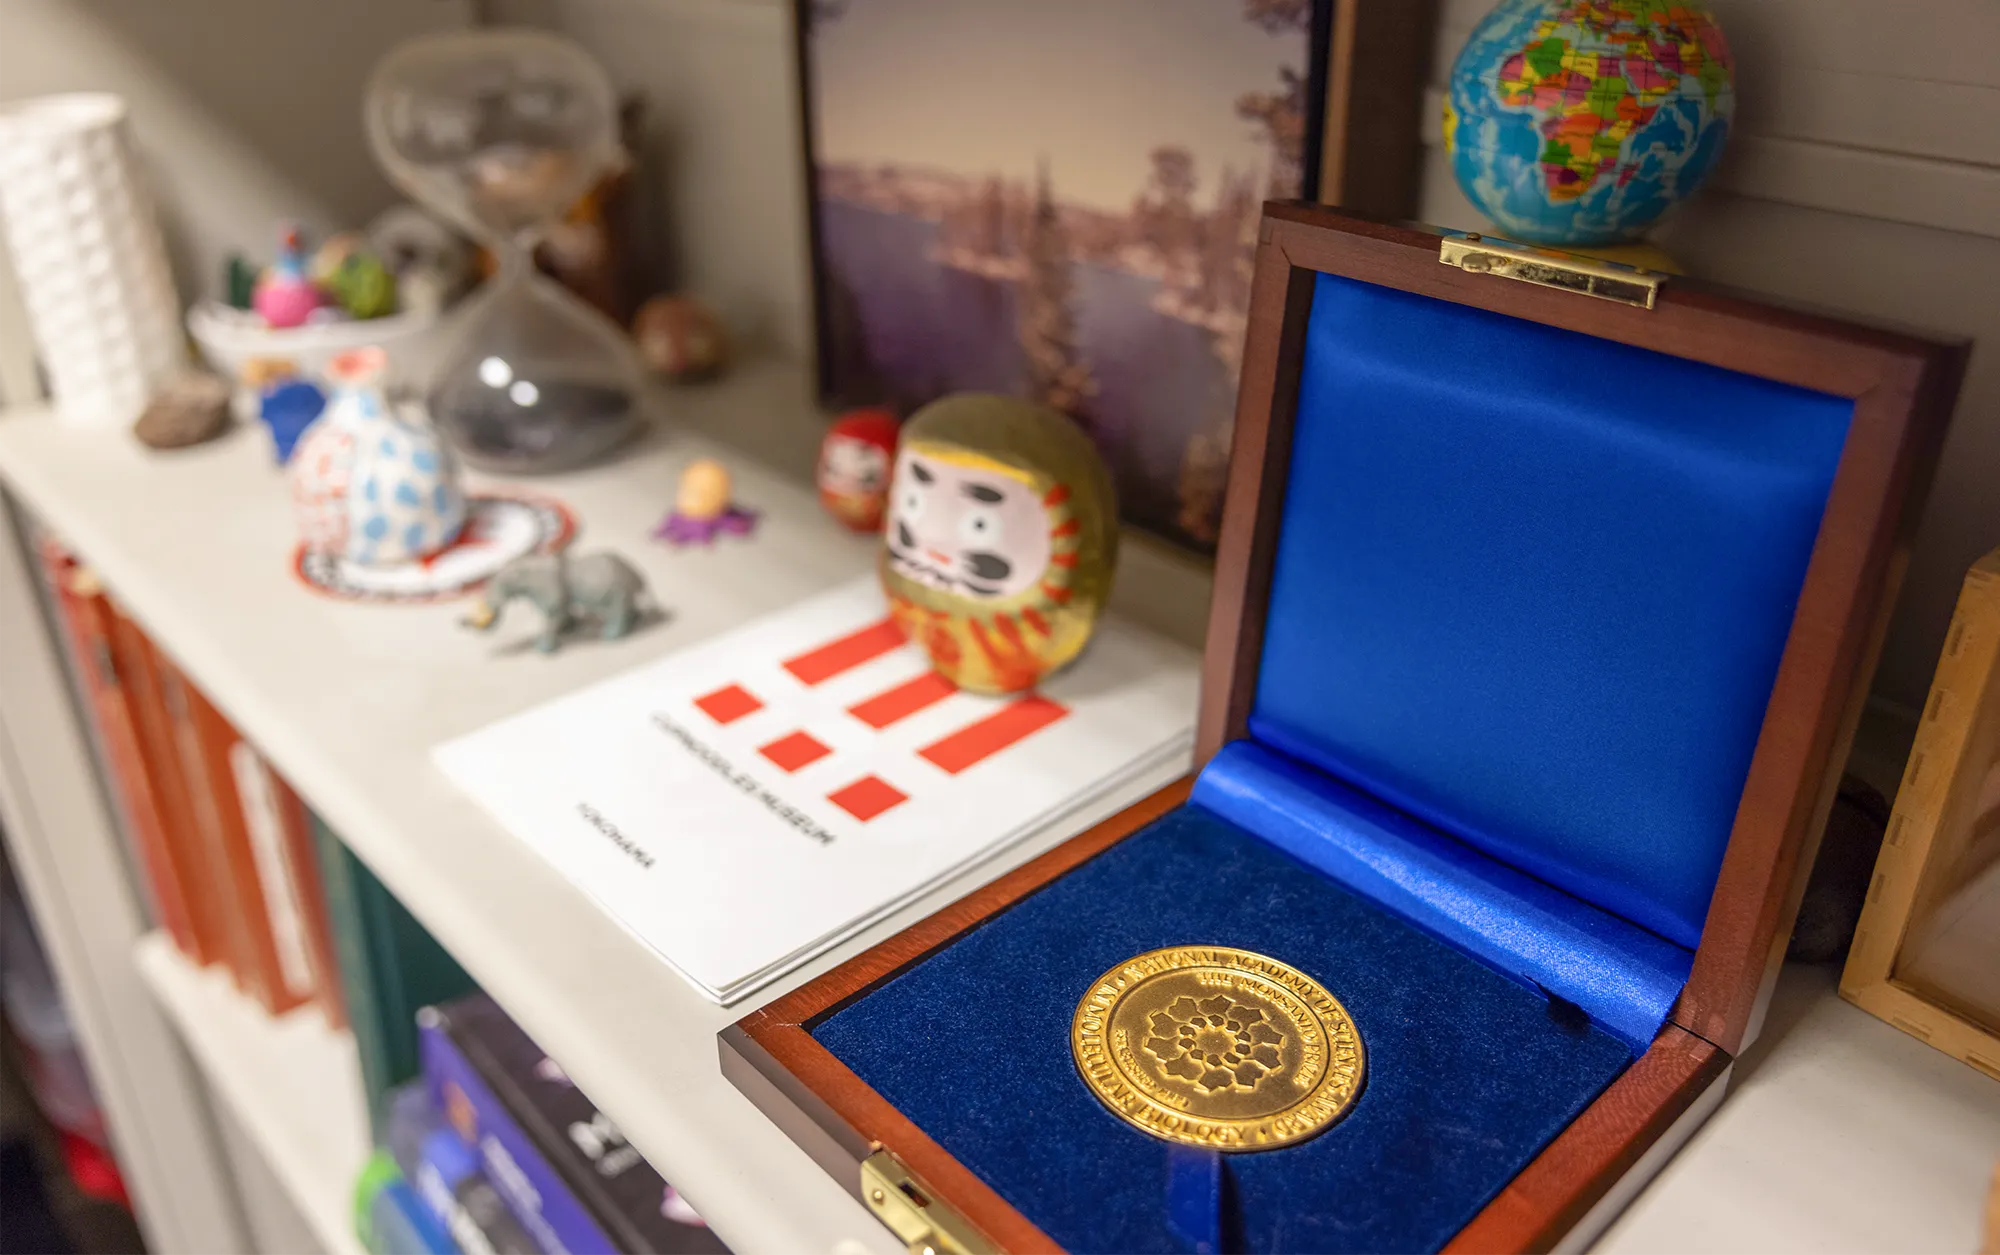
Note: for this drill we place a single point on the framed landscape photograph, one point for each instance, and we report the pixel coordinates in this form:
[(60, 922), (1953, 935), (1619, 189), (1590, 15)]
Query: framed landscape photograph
[(1059, 199)]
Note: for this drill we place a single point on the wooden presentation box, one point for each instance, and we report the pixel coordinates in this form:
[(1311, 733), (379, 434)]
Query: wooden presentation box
[(1546, 598)]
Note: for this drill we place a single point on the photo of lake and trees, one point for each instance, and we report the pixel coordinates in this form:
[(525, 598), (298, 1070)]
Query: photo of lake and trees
[(1056, 199)]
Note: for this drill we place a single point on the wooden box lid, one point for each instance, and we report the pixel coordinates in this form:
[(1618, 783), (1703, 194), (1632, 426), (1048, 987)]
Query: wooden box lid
[(1902, 386)]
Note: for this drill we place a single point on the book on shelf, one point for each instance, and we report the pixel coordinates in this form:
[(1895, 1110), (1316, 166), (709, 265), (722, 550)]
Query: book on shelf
[(561, 1164), (744, 804), (448, 1179), (390, 1218), (266, 809), (225, 847), (187, 845), (302, 865), (261, 905), (222, 875), (389, 968), (400, 1223), (89, 626)]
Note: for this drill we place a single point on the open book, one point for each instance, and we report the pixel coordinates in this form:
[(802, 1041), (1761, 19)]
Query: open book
[(746, 803)]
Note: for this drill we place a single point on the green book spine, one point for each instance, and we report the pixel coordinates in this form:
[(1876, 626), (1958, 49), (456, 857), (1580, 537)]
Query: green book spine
[(389, 969), (357, 985)]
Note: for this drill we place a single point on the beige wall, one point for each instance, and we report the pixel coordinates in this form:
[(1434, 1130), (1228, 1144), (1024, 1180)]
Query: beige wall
[(724, 176), (1863, 176), (246, 112)]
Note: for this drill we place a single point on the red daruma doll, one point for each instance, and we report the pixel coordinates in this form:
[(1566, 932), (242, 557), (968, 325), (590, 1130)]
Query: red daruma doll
[(854, 462)]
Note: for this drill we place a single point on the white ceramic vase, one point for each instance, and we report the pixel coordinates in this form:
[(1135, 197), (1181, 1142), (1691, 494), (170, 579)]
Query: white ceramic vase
[(368, 486), (88, 256)]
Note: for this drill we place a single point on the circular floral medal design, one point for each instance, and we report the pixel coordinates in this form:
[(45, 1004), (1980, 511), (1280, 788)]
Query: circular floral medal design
[(1217, 1047), (1219, 1043)]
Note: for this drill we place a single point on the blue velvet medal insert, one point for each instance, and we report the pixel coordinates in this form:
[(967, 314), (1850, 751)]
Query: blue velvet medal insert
[(1197, 1193), (1469, 1073), (1622, 976), (1532, 587)]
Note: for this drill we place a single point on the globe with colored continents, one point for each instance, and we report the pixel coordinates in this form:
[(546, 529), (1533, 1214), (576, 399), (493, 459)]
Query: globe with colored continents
[(1582, 121)]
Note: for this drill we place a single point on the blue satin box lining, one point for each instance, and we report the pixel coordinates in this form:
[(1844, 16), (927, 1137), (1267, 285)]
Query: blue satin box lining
[(1532, 588), (1623, 977)]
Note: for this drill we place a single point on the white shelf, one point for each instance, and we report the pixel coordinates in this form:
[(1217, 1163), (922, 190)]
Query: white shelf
[(347, 700), (1839, 1134), (1842, 1135), (291, 1081)]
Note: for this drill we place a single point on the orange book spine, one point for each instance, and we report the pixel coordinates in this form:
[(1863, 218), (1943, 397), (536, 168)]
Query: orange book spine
[(225, 898), (302, 860), (139, 662), (261, 803), (88, 621), (184, 841), (204, 740)]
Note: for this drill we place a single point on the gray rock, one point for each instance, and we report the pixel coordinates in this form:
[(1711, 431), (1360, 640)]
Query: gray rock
[(192, 408)]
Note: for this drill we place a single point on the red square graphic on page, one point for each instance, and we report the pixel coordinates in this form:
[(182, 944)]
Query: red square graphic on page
[(867, 797), (795, 751), (727, 705)]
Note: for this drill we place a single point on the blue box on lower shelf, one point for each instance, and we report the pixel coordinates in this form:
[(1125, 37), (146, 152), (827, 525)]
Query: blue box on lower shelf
[(571, 1179), (400, 1224)]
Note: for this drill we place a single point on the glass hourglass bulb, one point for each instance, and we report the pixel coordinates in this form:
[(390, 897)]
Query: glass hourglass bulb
[(538, 380), (503, 131)]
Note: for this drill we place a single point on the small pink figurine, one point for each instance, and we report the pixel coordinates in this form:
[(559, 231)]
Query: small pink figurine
[(702, 509), (284, 295), (854, 462)]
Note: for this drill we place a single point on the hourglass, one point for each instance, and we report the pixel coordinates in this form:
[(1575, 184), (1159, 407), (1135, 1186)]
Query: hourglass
[(502, 131)]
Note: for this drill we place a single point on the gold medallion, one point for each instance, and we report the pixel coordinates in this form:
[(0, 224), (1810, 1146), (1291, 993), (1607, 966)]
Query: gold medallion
[(1216, 1047)]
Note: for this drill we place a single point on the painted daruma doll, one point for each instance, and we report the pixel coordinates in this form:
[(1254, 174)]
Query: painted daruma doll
[(1001, 539), (853, 471)]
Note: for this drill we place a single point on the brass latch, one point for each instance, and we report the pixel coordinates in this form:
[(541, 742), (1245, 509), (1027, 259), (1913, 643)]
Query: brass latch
[(913, 1213), (1547, 268)]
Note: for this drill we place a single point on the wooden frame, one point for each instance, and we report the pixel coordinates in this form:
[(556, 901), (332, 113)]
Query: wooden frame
[(1902, 386), (1957, 742), (1363, 147), (1368, 154), (1371, 153)]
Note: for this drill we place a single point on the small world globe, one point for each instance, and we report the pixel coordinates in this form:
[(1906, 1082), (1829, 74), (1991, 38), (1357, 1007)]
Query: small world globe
[(1582, 121)]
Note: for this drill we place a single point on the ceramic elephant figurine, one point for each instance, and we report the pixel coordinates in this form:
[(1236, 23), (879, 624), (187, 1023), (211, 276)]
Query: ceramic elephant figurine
[(601, 588)]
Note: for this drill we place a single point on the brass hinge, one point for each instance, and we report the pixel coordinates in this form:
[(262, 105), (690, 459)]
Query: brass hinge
[(913, 1213), (1550, 269)]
